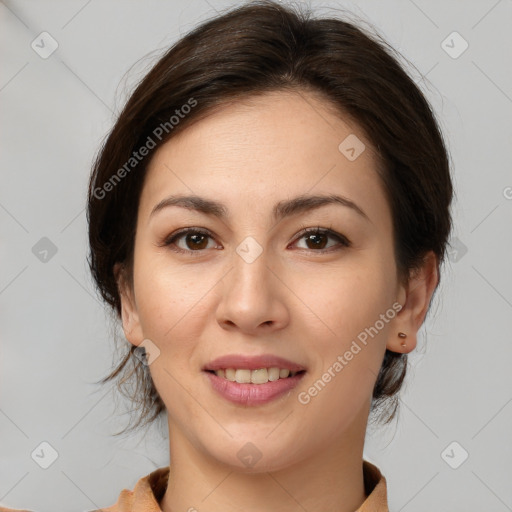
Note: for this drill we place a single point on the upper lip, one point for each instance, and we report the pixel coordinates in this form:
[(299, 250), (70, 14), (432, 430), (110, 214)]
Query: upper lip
[(246, 362)]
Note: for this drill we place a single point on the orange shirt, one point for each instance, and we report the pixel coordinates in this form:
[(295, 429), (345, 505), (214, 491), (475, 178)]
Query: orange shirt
[(149, 490)]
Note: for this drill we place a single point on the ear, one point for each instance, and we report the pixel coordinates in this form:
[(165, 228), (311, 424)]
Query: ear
[(129, 314), (414, 296)]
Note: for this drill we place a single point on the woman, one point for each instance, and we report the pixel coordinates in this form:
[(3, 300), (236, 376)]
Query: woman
[(268, 218)]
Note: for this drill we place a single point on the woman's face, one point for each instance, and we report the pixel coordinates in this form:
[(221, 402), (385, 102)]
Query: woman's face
[(254, 284)]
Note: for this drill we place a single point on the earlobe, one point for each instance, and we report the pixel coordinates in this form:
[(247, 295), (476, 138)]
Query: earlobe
[(415, 299), (129, 314)]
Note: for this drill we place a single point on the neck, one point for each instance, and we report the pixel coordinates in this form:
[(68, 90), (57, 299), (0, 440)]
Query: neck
[(329, 480)]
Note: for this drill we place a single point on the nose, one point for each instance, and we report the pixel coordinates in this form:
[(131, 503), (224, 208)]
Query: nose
[(253, 297)]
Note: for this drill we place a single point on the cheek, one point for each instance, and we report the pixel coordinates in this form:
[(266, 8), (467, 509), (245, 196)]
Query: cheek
[(349, 333), (349, 337), (347, 298), (174, 302), (172, 315)]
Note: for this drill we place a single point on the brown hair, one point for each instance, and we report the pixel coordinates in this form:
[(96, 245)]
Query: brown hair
[(259, 47)]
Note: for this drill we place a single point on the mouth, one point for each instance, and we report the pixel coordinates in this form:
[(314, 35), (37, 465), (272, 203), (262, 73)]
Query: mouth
[(253, 380)]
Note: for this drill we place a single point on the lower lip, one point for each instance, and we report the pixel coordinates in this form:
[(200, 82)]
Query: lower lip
[(252, 394)]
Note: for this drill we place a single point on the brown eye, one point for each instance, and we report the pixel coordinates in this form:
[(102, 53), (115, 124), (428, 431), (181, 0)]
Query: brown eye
[(196, 241), (317, 239), (189, 240)]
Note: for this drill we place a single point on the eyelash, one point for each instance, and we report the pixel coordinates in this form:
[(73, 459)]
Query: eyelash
[(344, 242)]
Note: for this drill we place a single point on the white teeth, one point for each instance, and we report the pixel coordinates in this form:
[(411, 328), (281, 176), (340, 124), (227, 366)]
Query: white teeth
[(243, 376), (230, 374), (273, 374), (259, 376)]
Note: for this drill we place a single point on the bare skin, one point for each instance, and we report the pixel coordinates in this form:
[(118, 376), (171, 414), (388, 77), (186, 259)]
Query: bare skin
[(301, 299)]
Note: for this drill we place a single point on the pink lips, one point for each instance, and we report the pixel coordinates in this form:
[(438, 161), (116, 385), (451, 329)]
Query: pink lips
[(252, 394)]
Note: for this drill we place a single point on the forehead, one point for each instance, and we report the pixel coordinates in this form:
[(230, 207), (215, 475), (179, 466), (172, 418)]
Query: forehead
[(265, 148)]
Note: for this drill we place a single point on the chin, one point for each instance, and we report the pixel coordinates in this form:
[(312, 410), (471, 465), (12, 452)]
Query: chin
[(253, 453)]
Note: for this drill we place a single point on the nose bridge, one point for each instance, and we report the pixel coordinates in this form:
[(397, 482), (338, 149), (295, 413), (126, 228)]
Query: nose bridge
[(251, 295), (251, 272)]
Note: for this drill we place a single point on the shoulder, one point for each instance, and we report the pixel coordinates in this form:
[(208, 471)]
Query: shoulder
[(144, 497)]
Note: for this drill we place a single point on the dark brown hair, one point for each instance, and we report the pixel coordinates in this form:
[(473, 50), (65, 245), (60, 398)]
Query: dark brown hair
[(252, 49)]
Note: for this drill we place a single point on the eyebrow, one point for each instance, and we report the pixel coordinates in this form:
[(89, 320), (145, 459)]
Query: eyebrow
[(282, 209)]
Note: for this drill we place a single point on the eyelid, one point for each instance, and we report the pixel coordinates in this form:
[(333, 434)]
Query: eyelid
[(191, 229), (169, 240), (304, 230), (325, 231)]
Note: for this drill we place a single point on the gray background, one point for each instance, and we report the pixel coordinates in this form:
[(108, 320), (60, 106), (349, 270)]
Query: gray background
[(55, 339)]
